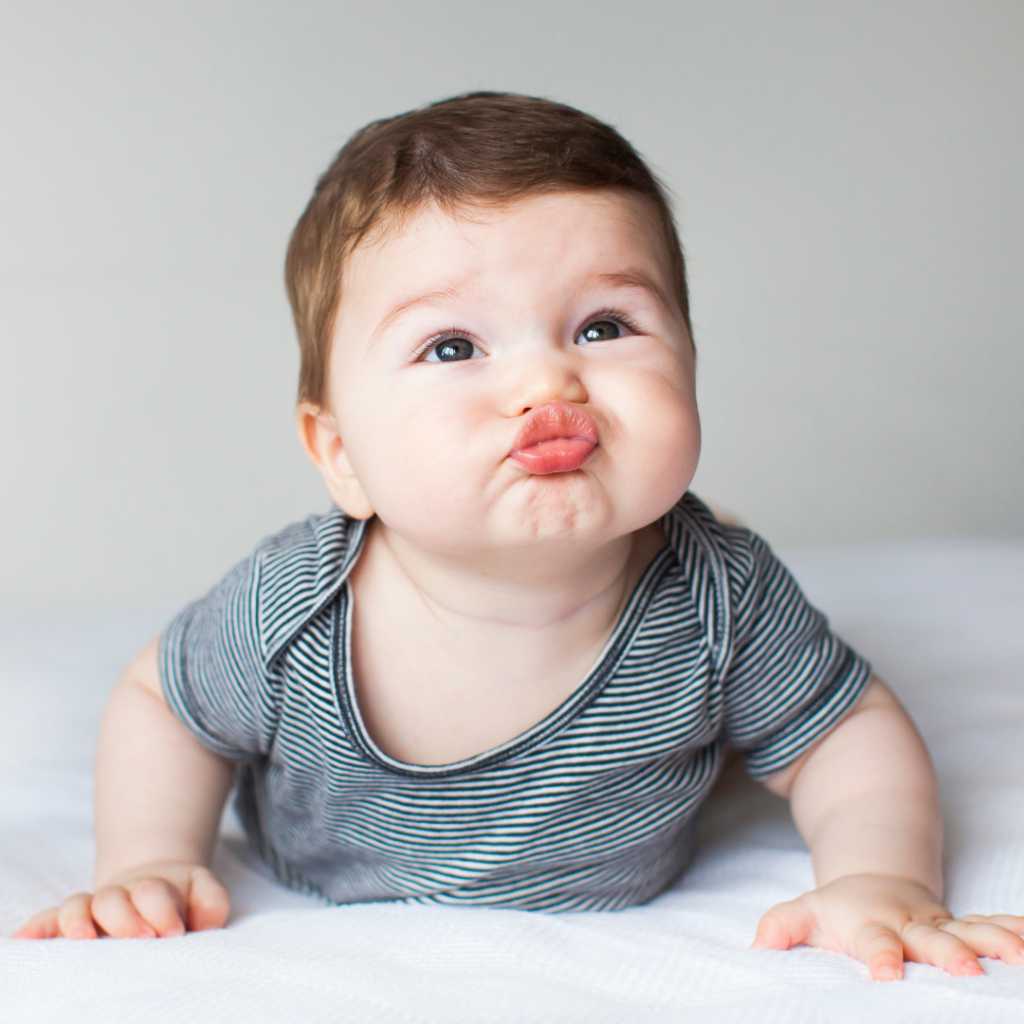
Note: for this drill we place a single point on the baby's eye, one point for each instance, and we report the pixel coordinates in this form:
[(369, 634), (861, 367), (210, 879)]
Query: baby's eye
[(451, 350), (599, 330)]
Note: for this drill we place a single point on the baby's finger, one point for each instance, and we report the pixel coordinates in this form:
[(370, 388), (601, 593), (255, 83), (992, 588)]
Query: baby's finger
[(160, 905), (74, 917), (881, 949), (927, 944), (986, 938), (1010, 922), (43, 926), (208, 901), (785, 925), (114, 912)]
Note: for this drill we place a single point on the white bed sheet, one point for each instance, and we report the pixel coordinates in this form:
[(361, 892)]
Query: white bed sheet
[(942, 622)]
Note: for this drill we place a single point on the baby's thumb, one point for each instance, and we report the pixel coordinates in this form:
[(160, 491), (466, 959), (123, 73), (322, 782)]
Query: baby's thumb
[(208, 901), (785, 925)]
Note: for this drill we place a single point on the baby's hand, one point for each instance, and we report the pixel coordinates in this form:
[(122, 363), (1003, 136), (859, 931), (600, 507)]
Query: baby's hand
[(883, 920), (164, 899)]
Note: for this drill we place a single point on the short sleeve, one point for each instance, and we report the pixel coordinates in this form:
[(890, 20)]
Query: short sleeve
[(213, 671), (789, 679)]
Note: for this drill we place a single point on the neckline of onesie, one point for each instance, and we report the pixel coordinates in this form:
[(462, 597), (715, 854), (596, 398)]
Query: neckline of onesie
[(595, 679)]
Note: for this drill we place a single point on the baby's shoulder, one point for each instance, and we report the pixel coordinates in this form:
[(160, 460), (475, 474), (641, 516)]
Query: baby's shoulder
[(293, 574), (316, 545), (734, 579), (703, 542)]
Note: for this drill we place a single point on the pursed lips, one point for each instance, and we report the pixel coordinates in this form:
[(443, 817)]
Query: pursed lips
[(557, 437)]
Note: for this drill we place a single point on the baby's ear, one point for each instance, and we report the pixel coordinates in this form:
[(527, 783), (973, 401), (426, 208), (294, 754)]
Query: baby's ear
[(318, 434)]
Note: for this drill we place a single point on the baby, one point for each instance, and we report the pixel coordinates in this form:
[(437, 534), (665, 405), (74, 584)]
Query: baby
[(504, 669)]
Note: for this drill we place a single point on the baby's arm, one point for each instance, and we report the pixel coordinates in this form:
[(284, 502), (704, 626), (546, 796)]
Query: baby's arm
[(159, 795), (866, 801)]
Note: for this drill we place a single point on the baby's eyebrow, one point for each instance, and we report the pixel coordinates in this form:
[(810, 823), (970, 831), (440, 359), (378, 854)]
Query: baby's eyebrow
[(438, 297), (636, 278)]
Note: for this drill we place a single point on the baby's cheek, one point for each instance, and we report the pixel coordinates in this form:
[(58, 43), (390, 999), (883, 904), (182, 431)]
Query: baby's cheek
[(659, 448), (662, 479), (425, 490)]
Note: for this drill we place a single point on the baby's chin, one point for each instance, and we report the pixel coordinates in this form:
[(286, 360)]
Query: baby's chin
[(530, 520)]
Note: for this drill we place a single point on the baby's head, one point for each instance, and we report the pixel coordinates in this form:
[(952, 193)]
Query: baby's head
[(492, 314)]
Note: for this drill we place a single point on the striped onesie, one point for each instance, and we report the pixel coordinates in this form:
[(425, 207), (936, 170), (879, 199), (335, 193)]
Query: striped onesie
[(594, 807)]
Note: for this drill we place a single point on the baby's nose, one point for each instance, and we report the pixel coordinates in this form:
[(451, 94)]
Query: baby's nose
[(546, 377)]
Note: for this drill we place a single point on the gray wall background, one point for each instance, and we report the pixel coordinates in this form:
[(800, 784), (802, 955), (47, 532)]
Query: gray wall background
[(849, 192)]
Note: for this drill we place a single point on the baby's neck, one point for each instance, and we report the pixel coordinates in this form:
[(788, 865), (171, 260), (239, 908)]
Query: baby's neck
[(453, 657)]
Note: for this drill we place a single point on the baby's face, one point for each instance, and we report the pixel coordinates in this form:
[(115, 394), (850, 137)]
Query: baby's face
[(515, 377)]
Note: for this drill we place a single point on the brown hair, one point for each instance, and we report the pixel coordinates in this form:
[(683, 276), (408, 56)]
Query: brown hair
[(483, 147)]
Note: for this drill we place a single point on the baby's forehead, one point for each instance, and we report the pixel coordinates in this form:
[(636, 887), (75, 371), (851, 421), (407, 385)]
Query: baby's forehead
[(607, 222)]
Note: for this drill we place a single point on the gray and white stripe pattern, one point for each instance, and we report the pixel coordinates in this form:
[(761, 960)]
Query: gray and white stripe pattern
[(592, 808)]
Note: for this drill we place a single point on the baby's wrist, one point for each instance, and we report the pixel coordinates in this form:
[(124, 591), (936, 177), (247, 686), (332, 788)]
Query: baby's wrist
[(907, 884)]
